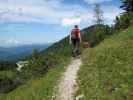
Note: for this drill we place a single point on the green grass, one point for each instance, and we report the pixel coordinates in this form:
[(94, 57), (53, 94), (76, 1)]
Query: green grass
[(107, 70), (38, 89), (7, 74)]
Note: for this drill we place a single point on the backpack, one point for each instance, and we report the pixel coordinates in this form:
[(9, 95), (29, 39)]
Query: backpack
[(75, 34)]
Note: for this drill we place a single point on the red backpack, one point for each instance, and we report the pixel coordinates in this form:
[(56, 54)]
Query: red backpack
[(75, 33)]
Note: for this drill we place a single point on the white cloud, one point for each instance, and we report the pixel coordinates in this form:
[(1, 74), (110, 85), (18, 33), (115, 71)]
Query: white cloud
[(51, 12), (12, 41), (9, 42), (42, 11), (96, 1), (71, 21)]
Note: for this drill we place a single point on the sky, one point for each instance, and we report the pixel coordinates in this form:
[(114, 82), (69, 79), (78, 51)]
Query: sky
[(48, 21)]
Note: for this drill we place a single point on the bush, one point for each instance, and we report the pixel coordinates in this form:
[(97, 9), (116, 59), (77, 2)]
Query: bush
[(124, 21), (95, 34), (8, 81), (6, 65)]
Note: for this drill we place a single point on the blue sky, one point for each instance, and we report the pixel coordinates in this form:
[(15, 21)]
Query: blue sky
[(44, 21)]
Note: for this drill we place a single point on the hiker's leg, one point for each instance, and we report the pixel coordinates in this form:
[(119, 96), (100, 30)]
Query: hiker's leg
[(79, 51), (73, 47), (78, 47)]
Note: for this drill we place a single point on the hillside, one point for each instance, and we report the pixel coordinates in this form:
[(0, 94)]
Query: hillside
[(106, 73)]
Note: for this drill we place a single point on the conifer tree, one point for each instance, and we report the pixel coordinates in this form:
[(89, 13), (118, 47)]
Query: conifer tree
[(127, 5)]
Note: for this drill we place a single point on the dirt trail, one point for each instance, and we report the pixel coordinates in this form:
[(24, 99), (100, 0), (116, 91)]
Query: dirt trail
[(66, 87)]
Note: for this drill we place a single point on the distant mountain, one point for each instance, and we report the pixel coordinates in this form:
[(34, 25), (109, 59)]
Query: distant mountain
[(14, 53)]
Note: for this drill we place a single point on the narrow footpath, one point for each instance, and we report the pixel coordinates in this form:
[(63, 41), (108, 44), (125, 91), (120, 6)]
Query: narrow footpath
[(67, 84)]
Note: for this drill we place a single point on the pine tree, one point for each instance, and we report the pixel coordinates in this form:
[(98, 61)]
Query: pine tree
[(127, 5), (117, 23), (98, 14)]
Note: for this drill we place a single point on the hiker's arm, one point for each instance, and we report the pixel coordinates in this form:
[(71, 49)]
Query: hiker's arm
[(80, 38), (70, 41)]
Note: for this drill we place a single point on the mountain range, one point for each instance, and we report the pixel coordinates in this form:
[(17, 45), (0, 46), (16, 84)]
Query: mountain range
[(18, 52)]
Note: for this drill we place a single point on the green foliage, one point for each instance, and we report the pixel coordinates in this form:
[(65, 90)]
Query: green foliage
[(127, 5), (6, 65), (8, 81), (95, 34), (5, 74), (117, 23), (106, 73), (40, 88), (124, 21), (40, 63), (8, 77)]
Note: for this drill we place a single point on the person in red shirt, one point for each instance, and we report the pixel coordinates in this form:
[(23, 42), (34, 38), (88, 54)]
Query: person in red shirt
[(75, 40)]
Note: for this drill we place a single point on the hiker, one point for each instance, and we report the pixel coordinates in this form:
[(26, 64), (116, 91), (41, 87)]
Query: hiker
[(75, 40)]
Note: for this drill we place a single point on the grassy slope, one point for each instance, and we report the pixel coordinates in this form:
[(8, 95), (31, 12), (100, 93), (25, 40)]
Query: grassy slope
[(37, 89), (107, 70), (55, 58)]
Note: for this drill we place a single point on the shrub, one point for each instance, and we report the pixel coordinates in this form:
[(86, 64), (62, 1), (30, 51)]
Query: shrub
[(8, 81), (6, 65), (95, 34), (124, 21)]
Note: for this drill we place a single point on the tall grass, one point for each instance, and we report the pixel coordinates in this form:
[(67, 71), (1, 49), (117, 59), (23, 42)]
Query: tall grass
[(107, 70)]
